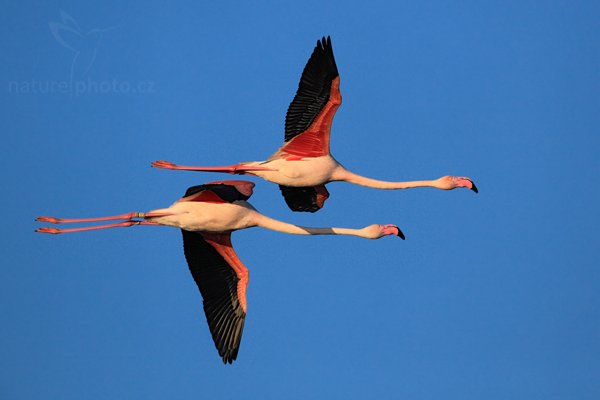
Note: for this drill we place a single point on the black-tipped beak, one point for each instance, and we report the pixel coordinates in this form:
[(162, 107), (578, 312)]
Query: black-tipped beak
[(474, 188), (400, 234)]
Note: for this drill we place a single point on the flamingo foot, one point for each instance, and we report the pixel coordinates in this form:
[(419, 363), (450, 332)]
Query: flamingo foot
[(53, 231), (163, 164), (51, 220)]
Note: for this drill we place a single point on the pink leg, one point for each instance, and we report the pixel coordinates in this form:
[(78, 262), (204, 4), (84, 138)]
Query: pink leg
[(127, 216), (239, 169), (124, 224)]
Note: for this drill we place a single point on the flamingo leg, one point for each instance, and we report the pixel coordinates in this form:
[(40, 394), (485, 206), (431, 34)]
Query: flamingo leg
[(239, 169), (127, 216), (124, 224)]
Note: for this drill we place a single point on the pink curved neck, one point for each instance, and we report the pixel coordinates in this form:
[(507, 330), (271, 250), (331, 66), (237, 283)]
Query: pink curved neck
[(351, 177)]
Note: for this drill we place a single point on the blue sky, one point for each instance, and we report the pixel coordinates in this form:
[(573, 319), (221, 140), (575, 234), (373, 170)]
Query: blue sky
[(491, 296)]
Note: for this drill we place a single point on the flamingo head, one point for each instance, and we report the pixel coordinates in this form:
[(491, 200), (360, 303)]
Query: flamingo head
[(377, 231), (453, 182)]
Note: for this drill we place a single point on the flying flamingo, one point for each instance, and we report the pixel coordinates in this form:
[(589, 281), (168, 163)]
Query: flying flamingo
[(304, 164), (207, 214)]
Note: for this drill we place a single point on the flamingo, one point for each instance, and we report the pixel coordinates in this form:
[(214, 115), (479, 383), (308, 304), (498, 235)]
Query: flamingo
[(207, 214), (304, 164)]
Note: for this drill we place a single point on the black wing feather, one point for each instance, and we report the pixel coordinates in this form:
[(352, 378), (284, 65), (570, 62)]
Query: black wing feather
[(226, 192), (313, 89), (302, 199), (217, 282)]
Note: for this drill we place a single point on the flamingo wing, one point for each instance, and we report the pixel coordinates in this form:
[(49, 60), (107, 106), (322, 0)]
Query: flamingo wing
[(220, 192), (310, 198), (222, 280), (309, 116)]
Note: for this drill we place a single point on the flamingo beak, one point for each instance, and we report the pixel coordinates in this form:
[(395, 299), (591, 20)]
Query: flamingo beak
[(467, 183), (393, 230), (400, 234)]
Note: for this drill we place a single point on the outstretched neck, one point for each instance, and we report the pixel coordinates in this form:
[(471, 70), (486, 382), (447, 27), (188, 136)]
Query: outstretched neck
[(347, 176), (280, 226)]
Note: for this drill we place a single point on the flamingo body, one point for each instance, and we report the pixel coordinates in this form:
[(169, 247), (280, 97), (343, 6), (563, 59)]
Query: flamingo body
[(207, 215), (309, 171), (304, 164)]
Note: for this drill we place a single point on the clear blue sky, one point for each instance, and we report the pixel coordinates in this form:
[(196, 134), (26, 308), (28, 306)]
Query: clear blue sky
[(492, 296)]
